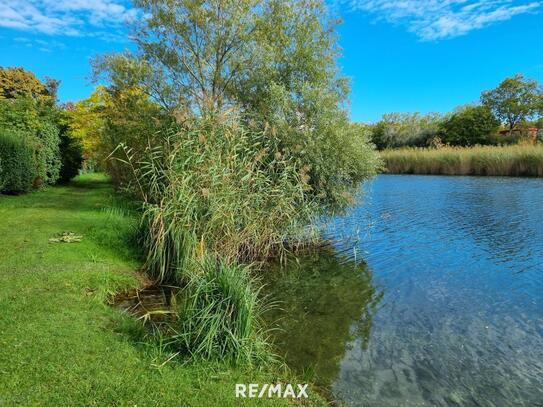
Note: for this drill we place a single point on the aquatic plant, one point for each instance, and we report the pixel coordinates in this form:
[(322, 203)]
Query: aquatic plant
[(219, 315), (232, 161), (218, 189), (214, 198), (518, 160)]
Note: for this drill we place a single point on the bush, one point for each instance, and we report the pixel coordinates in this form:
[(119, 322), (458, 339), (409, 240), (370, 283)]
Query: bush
[(48, 154), (396, 130), (470, 126), (35, 124), (17, 165), (71, 153), (218, 315)]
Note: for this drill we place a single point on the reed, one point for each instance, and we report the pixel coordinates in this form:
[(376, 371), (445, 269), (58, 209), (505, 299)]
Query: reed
[(218, 316), (217, 189), (518, 160), (217, 199)]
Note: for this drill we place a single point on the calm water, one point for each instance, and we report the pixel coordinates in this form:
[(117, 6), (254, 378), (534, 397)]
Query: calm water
[(448, 309)]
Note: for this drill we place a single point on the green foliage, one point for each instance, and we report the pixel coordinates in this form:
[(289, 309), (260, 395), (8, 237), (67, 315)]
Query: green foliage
[(86, 122), (36, 123), (539, 126), (17, 165), (216, 188), (18, 82), (22, 114), (48, 154), (71, 153), (234, 134), (293, 85), (405, 129), (213, 191), (514, 102), (218, 315), (337, 155), (519, 160), (122, 116), (516, 99), (272, 61), (469, 126)]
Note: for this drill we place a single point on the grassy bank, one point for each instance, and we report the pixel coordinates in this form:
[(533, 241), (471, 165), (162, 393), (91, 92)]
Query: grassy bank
[(60, 344), (518, 160)]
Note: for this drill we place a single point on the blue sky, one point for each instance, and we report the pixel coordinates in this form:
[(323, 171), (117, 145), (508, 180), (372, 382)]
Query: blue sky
[(402, 55)]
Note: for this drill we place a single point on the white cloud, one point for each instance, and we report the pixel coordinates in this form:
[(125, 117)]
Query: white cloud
[(41, 44), (440, 19), (65, 17)]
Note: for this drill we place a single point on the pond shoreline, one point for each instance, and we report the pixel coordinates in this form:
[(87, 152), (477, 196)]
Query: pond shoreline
[(56, 295)]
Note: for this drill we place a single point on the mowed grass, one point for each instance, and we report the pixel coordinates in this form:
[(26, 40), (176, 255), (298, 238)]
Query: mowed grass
[(517, 160), (60, 343)]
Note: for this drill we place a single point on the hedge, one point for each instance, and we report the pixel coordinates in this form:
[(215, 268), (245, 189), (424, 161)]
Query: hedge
[(71, 153), (17, 163)]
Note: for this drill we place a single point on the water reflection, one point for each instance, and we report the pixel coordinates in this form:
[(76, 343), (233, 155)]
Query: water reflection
[(448, 312), (323, 302)]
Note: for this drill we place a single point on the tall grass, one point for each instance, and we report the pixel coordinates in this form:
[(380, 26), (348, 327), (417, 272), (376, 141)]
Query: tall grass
[(217, 189), (518, 160), (219, 315), (216, 197)]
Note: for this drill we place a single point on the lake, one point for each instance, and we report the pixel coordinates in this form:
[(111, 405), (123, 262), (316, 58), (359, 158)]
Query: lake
[(431, 296)]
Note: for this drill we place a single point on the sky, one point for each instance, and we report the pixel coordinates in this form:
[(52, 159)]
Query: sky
[(401, 55)]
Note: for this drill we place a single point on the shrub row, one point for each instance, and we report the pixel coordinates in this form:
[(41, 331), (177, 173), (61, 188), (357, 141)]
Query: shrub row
[(33, 151)]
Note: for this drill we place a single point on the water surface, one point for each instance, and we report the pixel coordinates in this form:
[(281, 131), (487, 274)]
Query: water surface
[(433, 296)]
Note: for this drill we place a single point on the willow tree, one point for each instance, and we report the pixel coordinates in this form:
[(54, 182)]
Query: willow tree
[(272, 61)]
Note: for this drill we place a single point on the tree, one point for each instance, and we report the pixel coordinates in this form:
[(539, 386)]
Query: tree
[(189, 51), (28, 110), (35, 123), (18, 82), (85, 120), (515, 100), (207, 55), (271, 61), (405, 129), (469, 126)]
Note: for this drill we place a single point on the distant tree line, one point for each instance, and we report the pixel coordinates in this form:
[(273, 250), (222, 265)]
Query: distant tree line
[(514, 106)]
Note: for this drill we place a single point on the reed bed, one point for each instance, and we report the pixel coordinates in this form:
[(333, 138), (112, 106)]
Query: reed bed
[(515, 161), (219, 315), (220, 197), (217, 198)]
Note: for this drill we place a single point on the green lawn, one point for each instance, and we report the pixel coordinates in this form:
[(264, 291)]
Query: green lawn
[(60, 344)]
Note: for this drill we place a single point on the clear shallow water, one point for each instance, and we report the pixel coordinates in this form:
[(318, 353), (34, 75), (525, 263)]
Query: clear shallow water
[(432, 296)]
